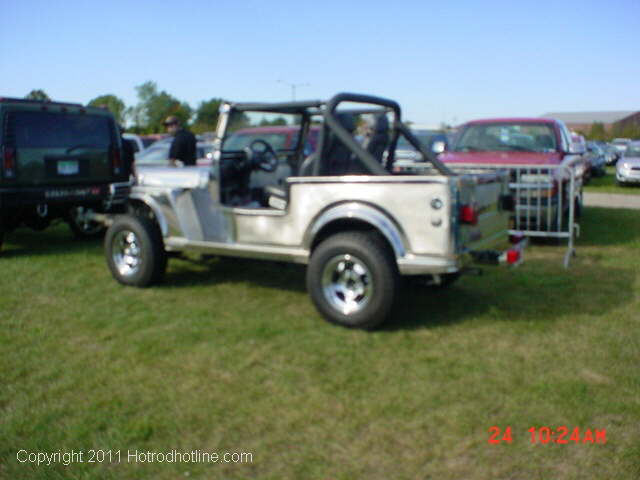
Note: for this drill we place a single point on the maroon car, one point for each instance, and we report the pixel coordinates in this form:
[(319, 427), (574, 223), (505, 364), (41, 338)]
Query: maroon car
[(542, 157), (279, 137)]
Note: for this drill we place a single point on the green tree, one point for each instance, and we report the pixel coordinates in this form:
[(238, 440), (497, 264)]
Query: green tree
[(207, 115), (38, 94), (154, 106), (597, 132), (112, 103), (275, 122)]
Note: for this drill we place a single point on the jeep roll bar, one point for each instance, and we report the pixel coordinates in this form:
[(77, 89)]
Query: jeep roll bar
[(366, 159)]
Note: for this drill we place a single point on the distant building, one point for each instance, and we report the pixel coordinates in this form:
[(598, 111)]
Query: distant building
[(584, 120)]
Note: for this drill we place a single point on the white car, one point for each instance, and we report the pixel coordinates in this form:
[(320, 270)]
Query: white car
[(135, 141), (628, 167), (157, 154)]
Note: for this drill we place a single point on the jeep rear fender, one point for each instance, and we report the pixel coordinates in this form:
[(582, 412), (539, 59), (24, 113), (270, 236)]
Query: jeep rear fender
[(355, 213)]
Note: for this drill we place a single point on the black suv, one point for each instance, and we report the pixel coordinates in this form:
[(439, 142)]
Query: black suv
[(59, 161)]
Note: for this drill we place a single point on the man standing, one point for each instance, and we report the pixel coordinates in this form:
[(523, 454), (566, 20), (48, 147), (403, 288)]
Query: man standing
[(183, 147)]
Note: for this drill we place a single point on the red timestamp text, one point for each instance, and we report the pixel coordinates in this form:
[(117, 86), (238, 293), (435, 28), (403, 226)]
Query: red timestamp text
[(547, 435)]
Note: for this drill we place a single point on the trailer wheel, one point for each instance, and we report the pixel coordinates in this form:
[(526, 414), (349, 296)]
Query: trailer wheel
[(135, 251), (353, 279)]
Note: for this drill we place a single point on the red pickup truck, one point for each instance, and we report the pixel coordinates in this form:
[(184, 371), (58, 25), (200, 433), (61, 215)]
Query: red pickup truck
[(541, 156)]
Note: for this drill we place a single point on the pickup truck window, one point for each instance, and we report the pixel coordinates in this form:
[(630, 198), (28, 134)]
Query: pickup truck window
[(519, 137)]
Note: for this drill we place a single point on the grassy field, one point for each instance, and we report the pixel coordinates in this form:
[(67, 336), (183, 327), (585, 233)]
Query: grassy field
[(230, 356), (607, 184)]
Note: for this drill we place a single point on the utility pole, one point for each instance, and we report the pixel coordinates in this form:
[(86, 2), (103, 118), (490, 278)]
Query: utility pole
[(293, 87)]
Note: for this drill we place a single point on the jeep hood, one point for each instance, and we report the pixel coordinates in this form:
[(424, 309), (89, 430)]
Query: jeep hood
[(502, 158), (173, 177)]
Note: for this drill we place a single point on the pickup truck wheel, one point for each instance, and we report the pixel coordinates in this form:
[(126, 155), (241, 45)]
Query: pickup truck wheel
[(135, 251), (81, 227), (352, 279)]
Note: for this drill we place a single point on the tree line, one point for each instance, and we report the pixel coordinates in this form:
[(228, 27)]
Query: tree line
[(153, 107), (600, 133)]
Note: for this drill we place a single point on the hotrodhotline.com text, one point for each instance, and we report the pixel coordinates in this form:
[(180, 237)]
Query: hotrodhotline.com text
[(130, 456)]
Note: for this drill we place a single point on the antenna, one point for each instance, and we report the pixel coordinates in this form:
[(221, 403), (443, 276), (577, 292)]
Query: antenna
[(293, 87)]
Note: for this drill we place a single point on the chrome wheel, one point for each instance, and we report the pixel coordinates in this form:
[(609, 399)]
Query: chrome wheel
[(347, 284), (126, 253)]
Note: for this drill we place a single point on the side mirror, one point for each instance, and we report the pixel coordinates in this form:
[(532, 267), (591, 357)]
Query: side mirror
[(576, 148), (438, 147)]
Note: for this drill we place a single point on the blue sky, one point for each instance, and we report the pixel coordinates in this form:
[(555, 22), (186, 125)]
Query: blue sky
[(443, 61)]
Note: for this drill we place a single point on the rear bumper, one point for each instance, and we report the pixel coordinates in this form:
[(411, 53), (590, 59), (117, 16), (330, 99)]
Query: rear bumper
[(424, 265), (110, 194), (628, 176)]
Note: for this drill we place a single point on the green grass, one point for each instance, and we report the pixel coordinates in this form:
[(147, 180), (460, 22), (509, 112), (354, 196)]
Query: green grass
[(230, 356), (607, 184)]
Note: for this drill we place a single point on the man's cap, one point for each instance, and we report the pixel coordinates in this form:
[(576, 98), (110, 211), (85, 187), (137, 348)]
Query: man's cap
[(171, 120)]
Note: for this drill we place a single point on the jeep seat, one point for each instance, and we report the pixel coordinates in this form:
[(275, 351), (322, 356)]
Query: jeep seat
[(335, 156), (334, 152)]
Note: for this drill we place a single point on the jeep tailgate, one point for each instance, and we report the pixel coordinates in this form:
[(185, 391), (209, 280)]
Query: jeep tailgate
[(482, 218)]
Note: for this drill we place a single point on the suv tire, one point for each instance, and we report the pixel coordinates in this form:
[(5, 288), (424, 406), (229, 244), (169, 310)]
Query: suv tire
[(352, 278), (83, 229), (135, 251)]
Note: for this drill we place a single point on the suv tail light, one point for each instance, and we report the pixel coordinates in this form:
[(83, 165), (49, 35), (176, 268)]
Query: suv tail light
[(9, 162), (469, 214), (116, 160)]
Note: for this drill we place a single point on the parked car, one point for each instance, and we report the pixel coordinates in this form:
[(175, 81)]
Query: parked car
[(407, 157), (628, 167), (59, 161), (620, 144), (135, 141), (597, 159), (343, 214), (157, 154), (546, 163), (610, 153)]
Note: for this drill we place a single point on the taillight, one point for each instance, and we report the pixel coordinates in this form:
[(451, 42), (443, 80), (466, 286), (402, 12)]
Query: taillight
[(116, 161), (513, 256), (468, 214), (9, 162)]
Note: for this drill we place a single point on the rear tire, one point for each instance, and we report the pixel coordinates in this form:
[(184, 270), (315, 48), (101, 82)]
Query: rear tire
[(135, 251), (353, 279)]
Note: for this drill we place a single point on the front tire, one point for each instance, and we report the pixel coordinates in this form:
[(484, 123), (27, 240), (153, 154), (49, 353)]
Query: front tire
[(353, 279), (135, 251)]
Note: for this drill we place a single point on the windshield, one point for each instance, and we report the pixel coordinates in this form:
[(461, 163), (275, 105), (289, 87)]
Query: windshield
[(620, 141), (633, 151), (157, 154), (59, 130), (517, 137)]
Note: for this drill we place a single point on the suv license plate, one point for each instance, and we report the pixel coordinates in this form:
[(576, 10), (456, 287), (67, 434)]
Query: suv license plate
[(68, 167)]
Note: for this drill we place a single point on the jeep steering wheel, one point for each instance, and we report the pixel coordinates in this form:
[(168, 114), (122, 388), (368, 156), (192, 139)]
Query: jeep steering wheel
[(263, 155)]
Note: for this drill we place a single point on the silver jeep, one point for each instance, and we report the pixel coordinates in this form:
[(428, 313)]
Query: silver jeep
[(339, 210)]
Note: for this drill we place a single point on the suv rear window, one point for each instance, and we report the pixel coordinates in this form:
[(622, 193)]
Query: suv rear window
[(59, 130)]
